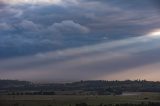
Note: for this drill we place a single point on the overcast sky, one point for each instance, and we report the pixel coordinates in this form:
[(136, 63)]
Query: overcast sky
[(71, 40)]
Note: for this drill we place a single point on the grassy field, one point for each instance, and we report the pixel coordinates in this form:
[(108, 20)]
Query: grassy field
[(69, 100)]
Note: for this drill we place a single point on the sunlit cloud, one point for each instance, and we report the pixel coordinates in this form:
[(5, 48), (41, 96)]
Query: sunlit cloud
[(155, 33), (31, 1), (42, 2)]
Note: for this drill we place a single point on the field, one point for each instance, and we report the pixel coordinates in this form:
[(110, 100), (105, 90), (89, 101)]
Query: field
[(71, 100)]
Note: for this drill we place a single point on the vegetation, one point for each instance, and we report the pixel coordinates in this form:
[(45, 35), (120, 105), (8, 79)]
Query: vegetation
[(78, 88), (125, 104), (143, 99), (83, 93)]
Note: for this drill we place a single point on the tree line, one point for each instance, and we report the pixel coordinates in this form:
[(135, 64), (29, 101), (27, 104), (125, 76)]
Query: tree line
[(123, 104), (99, 86)]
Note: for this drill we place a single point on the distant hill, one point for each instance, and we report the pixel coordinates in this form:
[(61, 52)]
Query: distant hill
[(7, 84), (101, 87)]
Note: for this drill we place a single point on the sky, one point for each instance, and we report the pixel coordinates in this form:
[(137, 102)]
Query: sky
[(72, 40)]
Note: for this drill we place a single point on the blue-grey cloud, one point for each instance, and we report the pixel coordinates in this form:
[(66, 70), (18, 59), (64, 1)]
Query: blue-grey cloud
[(35, 28), (88, 62)]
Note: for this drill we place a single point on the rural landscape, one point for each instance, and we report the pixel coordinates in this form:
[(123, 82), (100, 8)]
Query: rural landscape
[(79, 52), (83, 93)]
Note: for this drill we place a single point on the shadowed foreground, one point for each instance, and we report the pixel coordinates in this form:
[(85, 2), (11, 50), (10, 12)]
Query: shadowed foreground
[(144, 99)]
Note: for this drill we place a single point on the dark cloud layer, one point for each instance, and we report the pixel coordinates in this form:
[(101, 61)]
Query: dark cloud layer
[(83, 29), (39, 28)]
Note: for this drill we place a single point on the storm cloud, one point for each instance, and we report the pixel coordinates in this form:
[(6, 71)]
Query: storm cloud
[(85, 39)]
